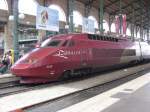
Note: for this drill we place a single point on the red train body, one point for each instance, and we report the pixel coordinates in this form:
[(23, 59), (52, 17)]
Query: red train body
[(74, 53)]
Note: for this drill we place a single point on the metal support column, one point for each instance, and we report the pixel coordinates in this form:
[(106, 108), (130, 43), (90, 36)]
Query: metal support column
[(148, 34), (70, 15), (15, 30), (148, 38), (133, 22), (101, 12), (120, 15), (141, 25), (136, 30), (87, 10)]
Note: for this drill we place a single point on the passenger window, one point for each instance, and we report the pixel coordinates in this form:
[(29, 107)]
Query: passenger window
[(90, 37), (65, 43), (71, 43), (54, 43), (102, 38), (94, 37), (98, 37), (50, 43)]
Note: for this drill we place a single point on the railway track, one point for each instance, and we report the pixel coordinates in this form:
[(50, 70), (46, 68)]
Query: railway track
[(15, 87)]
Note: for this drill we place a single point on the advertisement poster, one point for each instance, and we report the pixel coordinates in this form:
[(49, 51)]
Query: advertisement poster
[(47, 19), (88, 26)]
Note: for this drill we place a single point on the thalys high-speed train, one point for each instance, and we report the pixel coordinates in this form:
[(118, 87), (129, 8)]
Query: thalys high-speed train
[(71, 54)]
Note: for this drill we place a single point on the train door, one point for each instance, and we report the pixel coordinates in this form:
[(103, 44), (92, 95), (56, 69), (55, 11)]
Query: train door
[(73, 53), (86, 56)]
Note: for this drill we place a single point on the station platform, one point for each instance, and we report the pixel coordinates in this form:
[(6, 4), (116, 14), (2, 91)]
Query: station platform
[(6, 75), (133, 96)]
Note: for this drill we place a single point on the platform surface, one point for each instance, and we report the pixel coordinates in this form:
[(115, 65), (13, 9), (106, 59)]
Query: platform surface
[(6, 75), (133, 96)]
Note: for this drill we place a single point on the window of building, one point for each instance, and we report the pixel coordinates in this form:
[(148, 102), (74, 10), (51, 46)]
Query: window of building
[(62, 16), (3, 5), (95, 21), (77, 18), (27, 7), (113, 27)]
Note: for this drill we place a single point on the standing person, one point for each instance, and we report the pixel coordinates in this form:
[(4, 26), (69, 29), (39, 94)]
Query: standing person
[(4, 65), (9, 58), (6, 62)]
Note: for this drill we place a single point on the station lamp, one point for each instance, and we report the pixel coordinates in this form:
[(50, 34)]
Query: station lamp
[(67, 27), (11, 18), (21, 16)]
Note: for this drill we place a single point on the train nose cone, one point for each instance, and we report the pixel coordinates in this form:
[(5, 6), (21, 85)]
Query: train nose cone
[(20, 69)]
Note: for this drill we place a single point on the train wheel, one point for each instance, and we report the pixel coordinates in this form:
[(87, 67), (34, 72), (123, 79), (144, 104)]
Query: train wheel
[(67, 74)]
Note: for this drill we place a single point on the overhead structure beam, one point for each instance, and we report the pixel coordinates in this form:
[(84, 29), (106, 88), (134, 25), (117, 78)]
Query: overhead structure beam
[(138, 16), (125, 7), (135, 10), (88, 6), (112, 3)]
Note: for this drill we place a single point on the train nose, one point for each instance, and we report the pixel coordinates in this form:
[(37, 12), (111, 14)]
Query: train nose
[(20, 69)]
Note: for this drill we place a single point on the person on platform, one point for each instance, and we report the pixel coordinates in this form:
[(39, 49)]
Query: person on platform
[(6, 62)]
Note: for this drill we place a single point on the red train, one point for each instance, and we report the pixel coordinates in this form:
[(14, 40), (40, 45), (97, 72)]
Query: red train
[(71, 54)]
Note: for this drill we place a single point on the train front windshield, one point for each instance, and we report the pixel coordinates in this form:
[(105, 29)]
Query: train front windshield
[(51, 43)]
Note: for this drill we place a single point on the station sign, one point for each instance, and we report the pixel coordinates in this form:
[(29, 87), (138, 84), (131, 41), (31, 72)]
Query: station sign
[(88, 26), (47, 19)]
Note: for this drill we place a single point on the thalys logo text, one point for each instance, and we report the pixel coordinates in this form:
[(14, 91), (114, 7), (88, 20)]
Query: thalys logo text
[(66, 53)]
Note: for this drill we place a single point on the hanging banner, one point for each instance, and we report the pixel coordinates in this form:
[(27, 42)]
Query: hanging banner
[(124, 24), (88, 26), (47, 19), (117, 24)]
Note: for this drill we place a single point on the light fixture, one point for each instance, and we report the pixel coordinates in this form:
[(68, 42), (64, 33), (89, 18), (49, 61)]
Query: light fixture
[(28, 22), (97, 32), (76, 25), (124, 35), (21, 16), (66, 26), (11, 18)]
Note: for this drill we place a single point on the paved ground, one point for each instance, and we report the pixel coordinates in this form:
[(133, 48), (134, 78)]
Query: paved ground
[(125, 98)]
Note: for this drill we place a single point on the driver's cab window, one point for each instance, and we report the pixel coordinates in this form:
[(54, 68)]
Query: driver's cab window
[(65, 43), (51, 43), (71, 43)]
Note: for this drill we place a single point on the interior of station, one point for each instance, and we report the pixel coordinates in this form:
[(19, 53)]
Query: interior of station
[(136, 12)]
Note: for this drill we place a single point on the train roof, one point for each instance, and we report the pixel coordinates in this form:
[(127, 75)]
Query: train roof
[(90, 37), (71, 36)]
